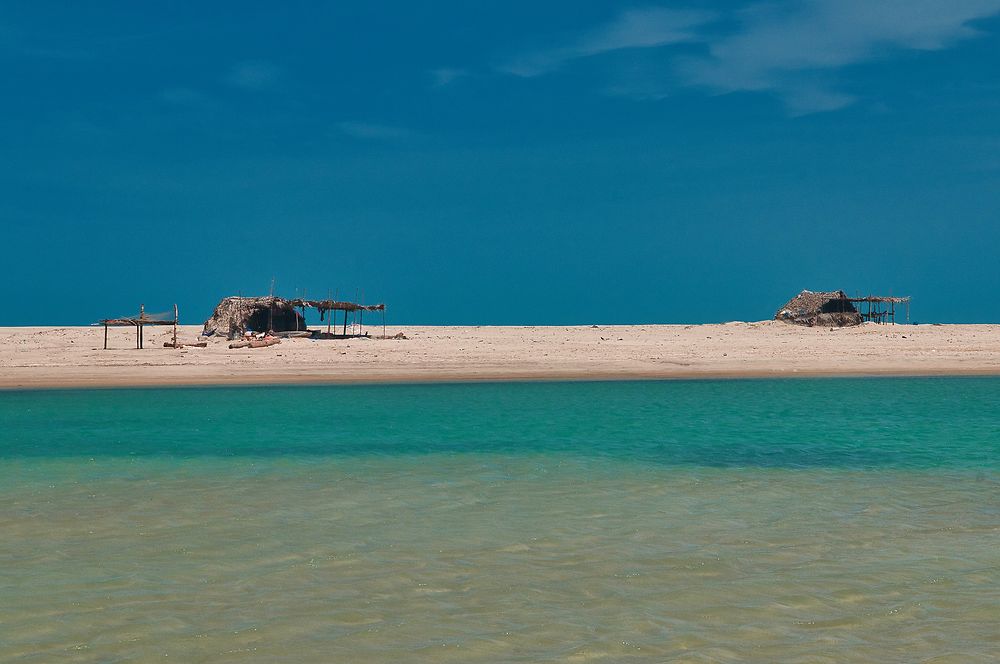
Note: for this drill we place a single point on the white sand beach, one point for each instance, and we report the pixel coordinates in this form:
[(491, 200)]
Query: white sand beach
[(37, 357)]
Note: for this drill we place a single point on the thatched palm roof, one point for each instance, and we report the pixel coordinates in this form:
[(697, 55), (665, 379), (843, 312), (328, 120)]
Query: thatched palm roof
[(822, 309), (336, 305), (235, 315)]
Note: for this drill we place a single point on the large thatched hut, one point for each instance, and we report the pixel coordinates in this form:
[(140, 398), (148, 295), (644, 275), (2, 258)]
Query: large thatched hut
[(235, 315), (824, 309)]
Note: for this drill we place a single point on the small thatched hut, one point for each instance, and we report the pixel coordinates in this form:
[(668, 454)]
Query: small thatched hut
[(829, 309), (235, 315)]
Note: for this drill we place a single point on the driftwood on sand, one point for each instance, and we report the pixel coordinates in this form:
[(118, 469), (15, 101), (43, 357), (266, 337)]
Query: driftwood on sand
[(256, 343)]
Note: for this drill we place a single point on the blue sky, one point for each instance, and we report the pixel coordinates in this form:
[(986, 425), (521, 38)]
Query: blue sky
[(500, 162)]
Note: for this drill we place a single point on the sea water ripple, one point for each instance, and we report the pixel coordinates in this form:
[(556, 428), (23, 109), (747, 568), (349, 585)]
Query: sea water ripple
[(813, 520)]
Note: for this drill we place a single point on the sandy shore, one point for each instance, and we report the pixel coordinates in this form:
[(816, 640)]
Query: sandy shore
[(35, 357)]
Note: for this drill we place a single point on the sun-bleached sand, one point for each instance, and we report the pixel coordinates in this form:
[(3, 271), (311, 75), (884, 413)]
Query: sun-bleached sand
[(37, 357)]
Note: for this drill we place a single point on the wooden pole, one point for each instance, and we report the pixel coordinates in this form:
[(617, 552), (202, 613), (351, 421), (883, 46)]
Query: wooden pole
[(303, 309), (345, 322), (175, 326), (270, 309), (105, 336)]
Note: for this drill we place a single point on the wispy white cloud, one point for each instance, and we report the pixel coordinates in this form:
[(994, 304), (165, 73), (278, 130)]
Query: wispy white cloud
[(636, 28), (446, 76), (805, 98), (788, 49), (373, 132), (793, 50), (253, 75)]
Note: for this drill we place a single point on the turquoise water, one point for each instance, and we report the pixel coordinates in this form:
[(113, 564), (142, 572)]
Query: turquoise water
[(831, 520)]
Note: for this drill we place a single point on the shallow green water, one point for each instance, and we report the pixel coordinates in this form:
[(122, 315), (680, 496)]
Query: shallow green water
[(796, 520)]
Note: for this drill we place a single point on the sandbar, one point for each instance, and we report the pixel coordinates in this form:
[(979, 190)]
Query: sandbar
[(72, 357)]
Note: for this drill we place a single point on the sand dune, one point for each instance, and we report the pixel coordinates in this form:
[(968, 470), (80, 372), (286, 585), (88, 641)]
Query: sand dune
[(72, 356)]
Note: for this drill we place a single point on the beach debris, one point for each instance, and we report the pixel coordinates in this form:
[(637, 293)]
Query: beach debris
[(188, 344), (256, 343)]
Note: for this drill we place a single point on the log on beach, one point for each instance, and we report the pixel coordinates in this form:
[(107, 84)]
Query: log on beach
[(256, 343)]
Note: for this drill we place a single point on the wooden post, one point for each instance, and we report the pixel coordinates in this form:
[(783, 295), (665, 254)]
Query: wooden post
[(345, 322), (302, 307), (270, 309), (175, 326), (105, 336)]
